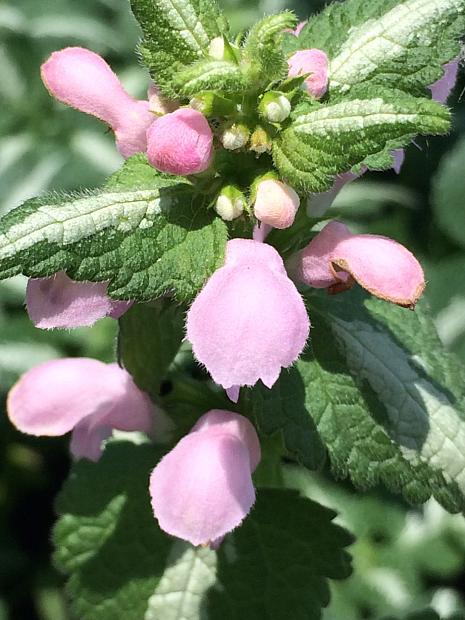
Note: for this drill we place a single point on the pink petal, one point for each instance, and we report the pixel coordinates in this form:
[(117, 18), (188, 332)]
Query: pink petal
[(83, 80), (54, 397), (316, 63), (131, 411), (180, 142), (441, 89), (203, 488), (220, 421), (399, 158), (261, 232), (318, 204), (249, 321), (276, 204), (59, 302), (51, 398), (87, 439), (233, 393), (299, 28), (380, 265)]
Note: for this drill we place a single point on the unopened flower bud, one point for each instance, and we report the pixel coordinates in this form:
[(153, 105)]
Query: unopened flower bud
[(180, 142), (235, 137), (210, 104), (315, 63), (230, 203), (221, 49), (260, 141), (276, 203), (83, 80), (274, 107)]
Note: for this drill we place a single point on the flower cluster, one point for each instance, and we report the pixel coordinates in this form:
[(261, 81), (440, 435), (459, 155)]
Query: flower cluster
[(247, 323)]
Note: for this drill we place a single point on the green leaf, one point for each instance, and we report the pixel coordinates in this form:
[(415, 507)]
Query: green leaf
[(398, 44), (263, 57), (209, 75), (149, 338), (176, 33), (182, 590), (146, 242), (282, 408), (387, 399), (331, 139), (447, 194), (279, 561), (121, 566), (107, 539)]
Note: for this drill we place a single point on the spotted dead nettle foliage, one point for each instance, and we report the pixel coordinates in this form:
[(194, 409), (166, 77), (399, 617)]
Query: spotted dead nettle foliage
[(208, 247)]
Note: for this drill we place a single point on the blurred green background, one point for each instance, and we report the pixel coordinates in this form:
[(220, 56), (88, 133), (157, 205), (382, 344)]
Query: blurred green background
[(405, 558)]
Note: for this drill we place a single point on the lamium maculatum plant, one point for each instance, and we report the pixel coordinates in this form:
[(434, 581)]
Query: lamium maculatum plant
[(258, 334)]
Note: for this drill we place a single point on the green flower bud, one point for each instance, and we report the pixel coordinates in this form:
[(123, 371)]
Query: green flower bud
[(221, 49), (235, 136), (231, 203), (210, 104), (274, 107), (260, 141)]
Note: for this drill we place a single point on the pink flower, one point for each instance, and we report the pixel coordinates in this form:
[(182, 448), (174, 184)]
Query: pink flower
[(203, 488), (276, 203), (316, 63), (79, 394), (300, 26), (59, 302), (336, 258), (180, 142), (83, 80), (441, 89), (318, 204), (248, 321)]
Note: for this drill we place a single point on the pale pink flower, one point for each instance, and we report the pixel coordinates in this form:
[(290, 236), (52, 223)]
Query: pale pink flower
[(180, 142), (298, 29), (203, 488), (59, 302), (318, 204), (276, 203), (441, 89), (83, 80), (336, 258), (249, 320), (316, 63), (81, 395)]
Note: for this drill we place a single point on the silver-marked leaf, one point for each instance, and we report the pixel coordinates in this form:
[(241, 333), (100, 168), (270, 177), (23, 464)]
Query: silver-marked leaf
[(331, 139), (146, 242), (176, 33), (209, 75), (403, 44), (182, 589), (387, 399), (404, 48)]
